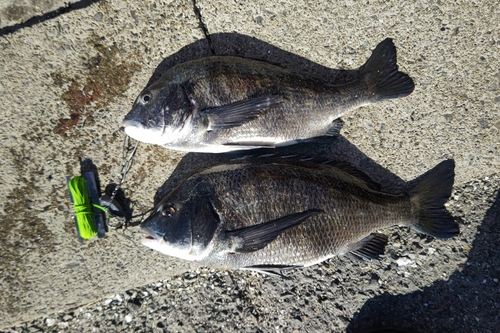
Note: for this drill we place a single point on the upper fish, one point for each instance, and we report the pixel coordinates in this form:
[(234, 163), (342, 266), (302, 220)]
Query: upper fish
[(280, 213), (225, 103)]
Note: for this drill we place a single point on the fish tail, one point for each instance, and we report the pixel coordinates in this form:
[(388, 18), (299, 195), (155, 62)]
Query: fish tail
[(429, 195), (382, 76)]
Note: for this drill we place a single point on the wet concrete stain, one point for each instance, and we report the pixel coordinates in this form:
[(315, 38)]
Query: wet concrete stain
[(20, 210), (107, 79), (21, 229)]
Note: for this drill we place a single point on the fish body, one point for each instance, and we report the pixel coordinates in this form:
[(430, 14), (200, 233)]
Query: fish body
[(276, 215), (224, 103)]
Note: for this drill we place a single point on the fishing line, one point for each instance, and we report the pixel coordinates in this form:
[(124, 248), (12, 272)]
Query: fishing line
[(125, 169), (87, 203), (84, 214)]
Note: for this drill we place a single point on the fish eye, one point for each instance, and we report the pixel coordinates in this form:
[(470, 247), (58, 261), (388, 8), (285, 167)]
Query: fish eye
[(145, 98), (168, 211)]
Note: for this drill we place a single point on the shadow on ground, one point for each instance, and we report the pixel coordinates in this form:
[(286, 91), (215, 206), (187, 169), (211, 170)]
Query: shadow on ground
[(234, 44), (14, 10), (474, 291), (241, 45), (335, 148)]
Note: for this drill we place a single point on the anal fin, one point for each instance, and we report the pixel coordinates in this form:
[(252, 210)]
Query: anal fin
[(335, 127), (370, 247)]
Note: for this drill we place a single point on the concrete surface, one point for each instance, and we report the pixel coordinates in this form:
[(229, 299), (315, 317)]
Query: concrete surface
[(14, 12), (77, 65), (66, 84)]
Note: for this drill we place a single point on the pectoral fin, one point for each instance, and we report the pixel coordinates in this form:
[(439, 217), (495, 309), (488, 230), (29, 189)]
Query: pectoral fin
[(238, 113), (258, 236)]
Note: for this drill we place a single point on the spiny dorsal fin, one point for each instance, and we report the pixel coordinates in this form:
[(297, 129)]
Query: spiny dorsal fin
[(339, 165)]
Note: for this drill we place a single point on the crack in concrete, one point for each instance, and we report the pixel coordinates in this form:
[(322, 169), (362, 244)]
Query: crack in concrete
[(203, 26), (47, 16)]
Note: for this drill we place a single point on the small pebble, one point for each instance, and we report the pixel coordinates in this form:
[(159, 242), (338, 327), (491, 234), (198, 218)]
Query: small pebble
[(49, 322), (404, 262), (128, 318)]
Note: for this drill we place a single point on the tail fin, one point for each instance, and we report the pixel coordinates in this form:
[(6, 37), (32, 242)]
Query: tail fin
[(382, 76), (429, 196)]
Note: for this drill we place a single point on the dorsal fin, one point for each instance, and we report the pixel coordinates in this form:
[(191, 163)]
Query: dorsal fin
[(358, 174), (345, 167)]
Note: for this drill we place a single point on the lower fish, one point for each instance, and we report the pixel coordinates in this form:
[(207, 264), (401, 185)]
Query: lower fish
[(224, 103), (287, 212)]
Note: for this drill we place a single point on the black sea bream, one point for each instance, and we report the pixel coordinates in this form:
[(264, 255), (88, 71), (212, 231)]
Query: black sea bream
[(224, 103), (275, 215)]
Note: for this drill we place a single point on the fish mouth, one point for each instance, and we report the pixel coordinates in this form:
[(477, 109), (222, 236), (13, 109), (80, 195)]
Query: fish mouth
[(138, 131), (150, 234), (131, 123)]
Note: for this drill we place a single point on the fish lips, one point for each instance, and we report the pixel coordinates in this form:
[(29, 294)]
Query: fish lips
[(152, 239), (157, 242), (151, 235), (135, 129)]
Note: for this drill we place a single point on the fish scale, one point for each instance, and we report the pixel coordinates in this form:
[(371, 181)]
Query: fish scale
[(314, 238), (276, 213), (226, 103)]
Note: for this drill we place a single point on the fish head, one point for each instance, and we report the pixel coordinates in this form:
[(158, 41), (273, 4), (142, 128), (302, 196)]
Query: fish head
[(181, 229), (161, 114)]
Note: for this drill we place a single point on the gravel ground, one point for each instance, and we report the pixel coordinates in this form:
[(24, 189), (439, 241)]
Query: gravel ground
[(421, 285)]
